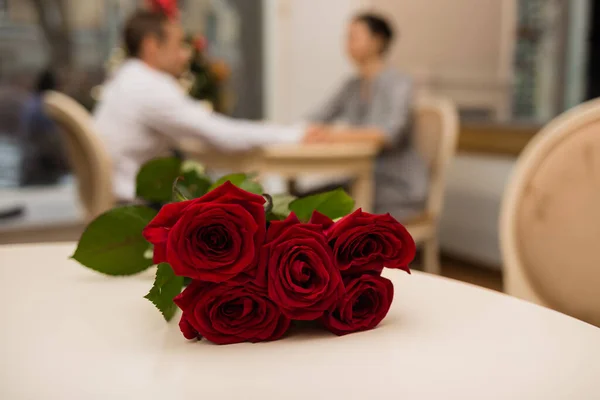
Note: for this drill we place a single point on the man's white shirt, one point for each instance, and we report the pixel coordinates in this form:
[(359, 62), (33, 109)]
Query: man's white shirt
[(144, 112)]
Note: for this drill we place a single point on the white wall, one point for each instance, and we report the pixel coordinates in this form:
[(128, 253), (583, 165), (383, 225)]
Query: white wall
[(305, 59), (462, 48)]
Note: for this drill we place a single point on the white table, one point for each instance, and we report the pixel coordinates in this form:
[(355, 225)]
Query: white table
[(68, 333)]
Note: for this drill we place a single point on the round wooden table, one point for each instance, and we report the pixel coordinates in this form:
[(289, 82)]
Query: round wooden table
[(293, 161), (69, 333)]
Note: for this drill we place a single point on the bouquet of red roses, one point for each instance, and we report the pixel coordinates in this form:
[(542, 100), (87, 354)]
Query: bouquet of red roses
[(248, 263)]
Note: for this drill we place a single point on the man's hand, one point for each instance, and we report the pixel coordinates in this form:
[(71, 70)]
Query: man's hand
[(317, 134)]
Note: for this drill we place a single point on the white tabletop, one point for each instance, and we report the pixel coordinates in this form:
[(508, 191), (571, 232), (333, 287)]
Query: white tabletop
[(68, 333)]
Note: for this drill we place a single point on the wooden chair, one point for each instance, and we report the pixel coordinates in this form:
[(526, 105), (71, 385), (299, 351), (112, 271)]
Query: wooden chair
[(89, 159), (436, 135), (550, 218)]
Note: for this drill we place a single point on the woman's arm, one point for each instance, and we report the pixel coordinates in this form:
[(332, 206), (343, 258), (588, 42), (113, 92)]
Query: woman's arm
[(388, 126), (394, 120), (330, 134)]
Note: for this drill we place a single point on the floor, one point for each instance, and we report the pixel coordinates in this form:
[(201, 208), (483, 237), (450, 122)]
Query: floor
[(471, 273), (468, 272)]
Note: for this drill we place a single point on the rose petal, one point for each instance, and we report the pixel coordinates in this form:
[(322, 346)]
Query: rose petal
[(157, 230), (319, 219), (364, 242), (302, 279), (189, 332), (226, 313), (276, 228), (367, 301)]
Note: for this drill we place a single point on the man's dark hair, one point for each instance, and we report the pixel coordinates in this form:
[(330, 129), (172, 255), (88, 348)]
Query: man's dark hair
[(378, 26), (139, 26)]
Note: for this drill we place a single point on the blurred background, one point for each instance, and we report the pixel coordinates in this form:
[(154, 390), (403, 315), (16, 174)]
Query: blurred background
[(509, 66)]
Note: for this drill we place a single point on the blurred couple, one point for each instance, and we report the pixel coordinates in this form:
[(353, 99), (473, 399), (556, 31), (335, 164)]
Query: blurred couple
[(143, 110)]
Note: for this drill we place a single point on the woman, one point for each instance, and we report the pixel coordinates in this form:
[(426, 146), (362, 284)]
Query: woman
[(374, 107)]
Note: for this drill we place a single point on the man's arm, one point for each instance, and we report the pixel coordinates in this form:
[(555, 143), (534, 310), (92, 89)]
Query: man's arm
[(172, 113)]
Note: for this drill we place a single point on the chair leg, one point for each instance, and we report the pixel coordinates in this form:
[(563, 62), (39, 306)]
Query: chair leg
[(431, 256)]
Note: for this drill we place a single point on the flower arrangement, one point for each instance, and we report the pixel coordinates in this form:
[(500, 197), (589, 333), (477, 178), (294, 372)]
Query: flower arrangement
[(207, 78), (169, 8), (242, 265)]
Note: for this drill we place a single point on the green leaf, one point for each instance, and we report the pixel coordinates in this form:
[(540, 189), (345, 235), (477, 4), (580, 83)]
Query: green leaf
[(190, 165), (281, 204), (166, 287), (155, 179), (179, 192), (242, 181), (113, 243), (252, 187), (334, 204), (235, 179), (193, 184), (281, 207)]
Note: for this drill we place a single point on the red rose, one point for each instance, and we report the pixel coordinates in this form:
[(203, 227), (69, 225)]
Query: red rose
[(200, 43), (189, 332), (157, 231), (320, 219), (301, 275), (167, 7), (366, 303), (212, 238), (226, 314), (364, 242)]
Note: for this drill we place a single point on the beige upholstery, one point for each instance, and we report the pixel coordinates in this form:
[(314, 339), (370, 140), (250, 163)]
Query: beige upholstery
[(436, 134), (550, 224), (89, 159)]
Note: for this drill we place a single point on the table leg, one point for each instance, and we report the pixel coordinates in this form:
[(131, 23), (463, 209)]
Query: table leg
[(363, 191)]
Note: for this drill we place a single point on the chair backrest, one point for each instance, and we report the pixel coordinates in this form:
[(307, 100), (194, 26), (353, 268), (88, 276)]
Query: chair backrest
[(87, 154), (436, 129), (550, 219)]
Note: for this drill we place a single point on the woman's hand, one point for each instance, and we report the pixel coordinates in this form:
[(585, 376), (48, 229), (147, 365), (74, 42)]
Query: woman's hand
[(331, 134), (317, 134)]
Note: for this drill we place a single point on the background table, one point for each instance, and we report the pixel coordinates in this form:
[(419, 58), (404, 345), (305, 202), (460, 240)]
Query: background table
[(50, 213), (69, 333), (293, 161)]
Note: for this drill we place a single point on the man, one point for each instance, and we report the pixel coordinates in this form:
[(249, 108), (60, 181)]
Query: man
[(143, 109)]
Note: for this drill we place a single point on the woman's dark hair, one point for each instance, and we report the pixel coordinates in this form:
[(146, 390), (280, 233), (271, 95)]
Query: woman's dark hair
[(46, 81), (378, 26)]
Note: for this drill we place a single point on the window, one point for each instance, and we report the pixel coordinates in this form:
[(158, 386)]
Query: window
[(539, 59), (3, 8)]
